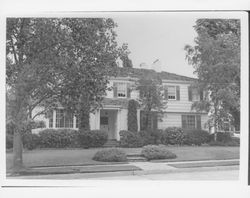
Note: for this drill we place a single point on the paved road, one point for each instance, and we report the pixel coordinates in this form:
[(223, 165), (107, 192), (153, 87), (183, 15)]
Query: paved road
[(227, 173)]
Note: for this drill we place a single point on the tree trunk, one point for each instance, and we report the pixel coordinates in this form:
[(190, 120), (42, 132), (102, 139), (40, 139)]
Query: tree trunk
[(17, 151), (84, 119)]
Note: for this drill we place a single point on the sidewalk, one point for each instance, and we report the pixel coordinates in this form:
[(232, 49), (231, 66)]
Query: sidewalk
[(133, 168)]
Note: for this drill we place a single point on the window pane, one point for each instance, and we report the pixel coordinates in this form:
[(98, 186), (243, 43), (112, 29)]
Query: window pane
[(171, 92), (191, 122), (63, 120), (121, 90)]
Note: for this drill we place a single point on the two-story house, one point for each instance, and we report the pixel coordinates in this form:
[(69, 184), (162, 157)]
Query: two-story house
[(112, 117)]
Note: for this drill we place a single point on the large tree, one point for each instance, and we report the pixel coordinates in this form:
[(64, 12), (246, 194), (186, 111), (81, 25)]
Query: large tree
[(151, 97), (216, 60), (53, 59)]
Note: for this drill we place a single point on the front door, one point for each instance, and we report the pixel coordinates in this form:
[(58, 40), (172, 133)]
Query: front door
[(104, 123)]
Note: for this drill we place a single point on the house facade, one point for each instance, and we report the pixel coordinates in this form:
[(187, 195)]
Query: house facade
[(113, 115)]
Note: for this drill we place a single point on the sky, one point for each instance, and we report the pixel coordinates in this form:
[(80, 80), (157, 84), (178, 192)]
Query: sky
[(152, 36)]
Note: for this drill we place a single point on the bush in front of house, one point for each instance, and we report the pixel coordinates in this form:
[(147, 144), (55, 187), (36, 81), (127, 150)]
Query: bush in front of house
[(31, 141), (221, 137), (93, 138), (230, 143), (150, 136), (130, 139), (196, 137), (152, 152), (58, 138), (172, 136), (110, 155)]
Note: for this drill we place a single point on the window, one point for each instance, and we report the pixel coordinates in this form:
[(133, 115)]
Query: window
[(121, 90), (195, 95), (63, 120), (50, 115), (191, 121), (171, 92)]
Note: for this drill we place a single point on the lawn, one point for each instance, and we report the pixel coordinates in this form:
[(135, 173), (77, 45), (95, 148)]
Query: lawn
[(54, 157)]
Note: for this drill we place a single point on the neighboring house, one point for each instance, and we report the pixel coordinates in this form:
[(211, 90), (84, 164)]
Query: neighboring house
[(113, 116)]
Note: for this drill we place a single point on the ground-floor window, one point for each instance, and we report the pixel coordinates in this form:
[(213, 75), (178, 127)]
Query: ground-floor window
[(148, 120), (63, 120), (191, 121)]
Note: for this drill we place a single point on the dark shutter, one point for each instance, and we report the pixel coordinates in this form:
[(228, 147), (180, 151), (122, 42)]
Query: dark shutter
[(166, 92), (183, 121), (190, 93), (177, 92), (115, 89), (142, 120), (201, 95), (128, 90), (198, 121)]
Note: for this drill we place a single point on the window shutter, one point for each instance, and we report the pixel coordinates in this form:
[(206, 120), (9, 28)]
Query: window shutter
[(166, 92), (190, 93), (177, 92), (201, 95), (183, 121), (155, 121), (128, 91), (198, 121), (115, 89)]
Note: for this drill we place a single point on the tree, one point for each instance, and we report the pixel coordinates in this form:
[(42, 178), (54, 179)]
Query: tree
[(132, 116), (151, 96), (54, 59), (216, 60)]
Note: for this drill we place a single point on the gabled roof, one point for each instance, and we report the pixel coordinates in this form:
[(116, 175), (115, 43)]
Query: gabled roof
[(138, 73)]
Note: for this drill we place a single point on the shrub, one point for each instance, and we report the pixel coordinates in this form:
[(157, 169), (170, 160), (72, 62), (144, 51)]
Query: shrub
[(9, 141), (110, 155), (172, 136), (221, 137), (150, 136), (230, 143), (156, 152), (196, 137), (93, 138), (130, 139), (132, 116), (31, 141), (58, 138)]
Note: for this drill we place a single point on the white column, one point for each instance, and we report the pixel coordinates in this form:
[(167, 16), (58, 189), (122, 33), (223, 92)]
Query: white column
[(54, 118), (138, 119), (97, 119)]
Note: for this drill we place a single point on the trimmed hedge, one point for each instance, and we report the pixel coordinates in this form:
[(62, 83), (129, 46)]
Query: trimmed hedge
[(94, 138), (9, 141), (59, 138), (196, 137), (110, 155), (31, 141), (172, 136), (132, 115), (222, 137), (130, 139), (156, 152), (150, 136)]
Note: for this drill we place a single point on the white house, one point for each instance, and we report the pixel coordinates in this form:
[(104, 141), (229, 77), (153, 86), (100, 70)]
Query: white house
[(113, 116)]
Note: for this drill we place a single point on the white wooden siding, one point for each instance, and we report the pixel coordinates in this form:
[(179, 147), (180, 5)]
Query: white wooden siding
[(174, 120)]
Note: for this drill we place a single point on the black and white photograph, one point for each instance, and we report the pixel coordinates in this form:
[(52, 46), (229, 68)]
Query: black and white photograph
[(123, 96)]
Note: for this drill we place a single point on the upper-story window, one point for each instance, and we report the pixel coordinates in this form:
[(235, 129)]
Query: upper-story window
[(171, 92), (121, 90), (194, 94)]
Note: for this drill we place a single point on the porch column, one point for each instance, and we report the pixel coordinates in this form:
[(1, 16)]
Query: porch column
[(118, 122), (54, 118), (138, 119), (97, 119)]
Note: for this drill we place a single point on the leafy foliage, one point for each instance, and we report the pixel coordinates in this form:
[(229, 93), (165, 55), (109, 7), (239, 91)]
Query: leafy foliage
[(132, 116), (196, 137), (110, 155), (216, 60), (130, 139), (152, 152), (93, 138), (172, 136)]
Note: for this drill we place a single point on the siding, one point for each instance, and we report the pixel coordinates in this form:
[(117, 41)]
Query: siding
[(174, 120)]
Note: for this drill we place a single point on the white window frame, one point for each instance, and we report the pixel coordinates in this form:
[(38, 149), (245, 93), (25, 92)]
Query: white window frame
[(175, 96), (57, 125), (123, 85)]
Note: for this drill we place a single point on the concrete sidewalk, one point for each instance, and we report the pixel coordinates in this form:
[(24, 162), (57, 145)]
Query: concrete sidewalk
[(133, 168)]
